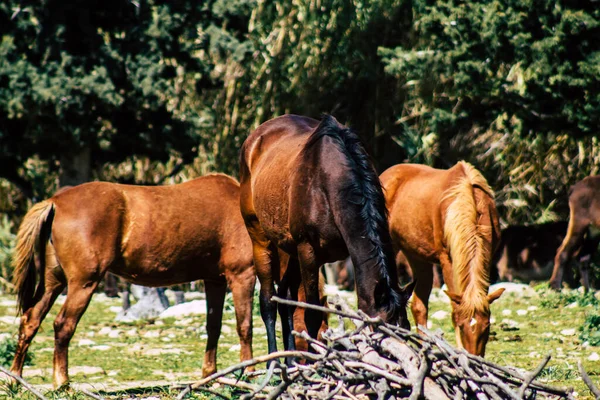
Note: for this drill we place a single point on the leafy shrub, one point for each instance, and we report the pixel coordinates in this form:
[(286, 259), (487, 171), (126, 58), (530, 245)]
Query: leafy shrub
[(7, 352), (7, 244), (552, 299), (590, 331)]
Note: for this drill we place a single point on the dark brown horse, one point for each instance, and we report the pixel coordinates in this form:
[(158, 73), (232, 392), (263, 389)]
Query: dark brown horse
[(447, 217), (584, 207), (309, 189), (526, 253), (149, 235)]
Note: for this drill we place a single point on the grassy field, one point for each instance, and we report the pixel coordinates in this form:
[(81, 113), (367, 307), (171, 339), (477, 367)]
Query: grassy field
[(117, 356)]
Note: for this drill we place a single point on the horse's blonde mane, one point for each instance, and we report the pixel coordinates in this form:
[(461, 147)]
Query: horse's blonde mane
[(466, 240)]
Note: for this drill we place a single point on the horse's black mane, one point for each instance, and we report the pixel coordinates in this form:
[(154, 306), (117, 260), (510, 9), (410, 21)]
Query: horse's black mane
[(365, 191)]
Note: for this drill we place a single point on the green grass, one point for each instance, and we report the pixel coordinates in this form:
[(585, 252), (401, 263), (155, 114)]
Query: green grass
[(128, 360)]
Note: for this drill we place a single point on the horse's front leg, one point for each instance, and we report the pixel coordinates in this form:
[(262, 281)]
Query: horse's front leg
[(423, 276), (575, 233)]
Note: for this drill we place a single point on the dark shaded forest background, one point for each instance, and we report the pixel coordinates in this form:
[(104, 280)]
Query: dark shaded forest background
[(157, 92)]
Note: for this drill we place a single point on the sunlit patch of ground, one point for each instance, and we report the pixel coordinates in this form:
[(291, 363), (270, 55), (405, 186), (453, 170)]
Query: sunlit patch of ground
[(112, 355)]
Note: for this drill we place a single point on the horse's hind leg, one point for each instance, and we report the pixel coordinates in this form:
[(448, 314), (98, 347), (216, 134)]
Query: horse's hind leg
[(288, 289), (265, 262), (32, 318), (242, 289), (215, 297), (78, 298), (309, 270), (571, 243)]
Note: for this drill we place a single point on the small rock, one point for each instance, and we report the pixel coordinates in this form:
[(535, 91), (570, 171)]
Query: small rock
[(237, 347), (509, 325), (10, 320), (190, 308), (102, 347), (506, 312), (86, 342), (85, 370), (532, 308), (439, 315), (226, 329), (131, 333), (568, 332), (105, 331), (521, 312), (114, 334), (151, 334), (572, 305), (115, 309), (594, 357)]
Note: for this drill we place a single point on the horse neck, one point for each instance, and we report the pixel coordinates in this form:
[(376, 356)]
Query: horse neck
[(365, 232), (469, 230)]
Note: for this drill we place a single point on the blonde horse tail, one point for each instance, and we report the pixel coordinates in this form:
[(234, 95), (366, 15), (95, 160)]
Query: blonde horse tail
[(29, 259), (467, 232)]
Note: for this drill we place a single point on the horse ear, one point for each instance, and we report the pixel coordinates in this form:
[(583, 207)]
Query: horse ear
[(407, 289), (494, 296), (456, 298)]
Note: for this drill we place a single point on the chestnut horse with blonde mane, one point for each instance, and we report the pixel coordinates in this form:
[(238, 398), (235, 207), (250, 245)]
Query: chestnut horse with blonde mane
[(308, 189), (149, 235), (447, 217)]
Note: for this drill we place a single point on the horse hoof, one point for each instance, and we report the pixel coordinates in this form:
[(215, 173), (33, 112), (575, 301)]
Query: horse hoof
[(555, 286), (61, 384)]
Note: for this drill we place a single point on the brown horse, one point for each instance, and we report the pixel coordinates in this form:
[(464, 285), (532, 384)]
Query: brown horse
[(309, 189), (447, 217), (154, 236), (526, 253), (584, 213)]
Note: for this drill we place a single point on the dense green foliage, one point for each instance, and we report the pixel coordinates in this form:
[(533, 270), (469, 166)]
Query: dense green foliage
[(511, 86), (155, 92), (590, 331), (8, 346)]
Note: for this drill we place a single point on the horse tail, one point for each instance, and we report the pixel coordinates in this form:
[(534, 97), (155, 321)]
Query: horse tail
[(30, 254), (365, 191), (468, 239)]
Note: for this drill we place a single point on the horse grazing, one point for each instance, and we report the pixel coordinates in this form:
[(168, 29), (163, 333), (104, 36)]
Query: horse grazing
[(308, 189), (446, 217), (584, 214), (526, 253), (149, 235)]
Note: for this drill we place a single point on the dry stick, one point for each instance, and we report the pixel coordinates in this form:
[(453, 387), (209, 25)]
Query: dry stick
[(24, 383), (424, 368), (511, 373), (378, 371), (249, 363), (236, 383), (533, 375), (263, 385), (586, 378), (90, 394)]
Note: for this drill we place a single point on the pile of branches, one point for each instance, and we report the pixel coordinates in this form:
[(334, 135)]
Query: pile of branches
[(375, 360)]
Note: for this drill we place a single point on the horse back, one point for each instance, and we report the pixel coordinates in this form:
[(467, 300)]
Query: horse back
[(413, 195), (154, 235), (269, 164), (584, 200)]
